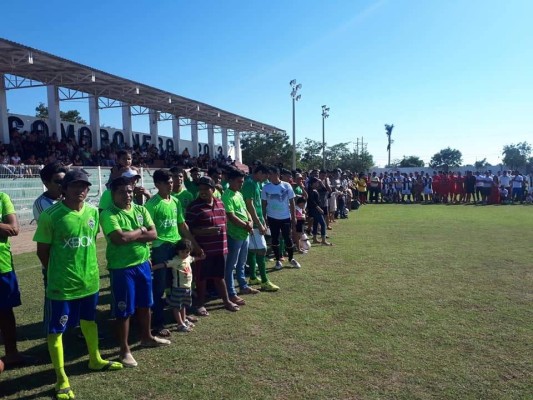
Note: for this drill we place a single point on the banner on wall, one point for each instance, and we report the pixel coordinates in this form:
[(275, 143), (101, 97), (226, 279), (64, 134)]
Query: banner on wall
[(82, 135)]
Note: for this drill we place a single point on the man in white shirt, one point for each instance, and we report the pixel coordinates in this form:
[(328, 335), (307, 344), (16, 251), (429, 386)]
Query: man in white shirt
[(277, 198)]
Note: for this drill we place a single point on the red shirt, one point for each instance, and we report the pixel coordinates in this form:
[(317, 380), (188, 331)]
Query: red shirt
[(202, 215)]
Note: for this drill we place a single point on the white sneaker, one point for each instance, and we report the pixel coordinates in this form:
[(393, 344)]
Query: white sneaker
[(295, 263), (278, 265)]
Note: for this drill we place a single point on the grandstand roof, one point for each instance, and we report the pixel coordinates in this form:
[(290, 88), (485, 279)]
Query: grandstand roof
[(38, 68)]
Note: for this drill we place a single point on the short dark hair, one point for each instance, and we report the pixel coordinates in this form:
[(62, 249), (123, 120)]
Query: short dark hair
[(273, 170), (184, 244), (161, 175), (261, 169), (118, 182), (50, 170), (235, 173), (285, 171), (214, 170), (177, 170), (121, 153), (300, 200)]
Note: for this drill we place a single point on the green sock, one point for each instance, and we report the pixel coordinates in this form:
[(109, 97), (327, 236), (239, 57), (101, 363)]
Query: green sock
[(281, 247), (261, 265), (90, 332), (55, 348), (251, 260)]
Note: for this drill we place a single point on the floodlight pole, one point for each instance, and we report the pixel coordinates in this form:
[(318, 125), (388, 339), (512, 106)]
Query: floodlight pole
[(325, 114), (295, 97)]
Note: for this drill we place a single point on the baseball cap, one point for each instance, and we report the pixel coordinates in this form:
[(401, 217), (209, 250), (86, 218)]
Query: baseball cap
[(75, 175), (205, 180), (130, 173)]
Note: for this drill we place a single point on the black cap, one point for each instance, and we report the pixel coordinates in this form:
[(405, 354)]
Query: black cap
[(205, 180), (75, 175)]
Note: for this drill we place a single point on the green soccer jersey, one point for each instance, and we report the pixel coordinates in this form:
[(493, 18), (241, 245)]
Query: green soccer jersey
[(252, 190), (192, 187), (166, 214), (132, 253), (6, 208), (234, 203), (73, 266), (106, 200), (184, 196)]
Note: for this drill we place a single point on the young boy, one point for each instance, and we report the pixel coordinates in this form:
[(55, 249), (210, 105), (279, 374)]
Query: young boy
[(299, 209), (180, 292), (124, 163)]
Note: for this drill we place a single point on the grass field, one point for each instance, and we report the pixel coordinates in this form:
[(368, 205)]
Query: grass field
[(413, 302)]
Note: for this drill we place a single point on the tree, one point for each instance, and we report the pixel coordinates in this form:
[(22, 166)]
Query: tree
[(446, 158), (516, 155), (479, 165), (311, 151), (41, 111), (411, 161), (388, 132), (269, 148)]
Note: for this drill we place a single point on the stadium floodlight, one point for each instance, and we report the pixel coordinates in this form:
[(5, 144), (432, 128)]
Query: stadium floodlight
[(295, 97), (325, 114), (169, 100), (93, 77), (137, 90), (30, 58)]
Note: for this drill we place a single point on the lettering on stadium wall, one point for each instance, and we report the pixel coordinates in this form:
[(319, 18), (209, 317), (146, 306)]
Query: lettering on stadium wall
[(83, 135)]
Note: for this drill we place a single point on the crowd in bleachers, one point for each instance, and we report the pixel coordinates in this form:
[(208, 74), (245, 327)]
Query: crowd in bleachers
[(37, 148)]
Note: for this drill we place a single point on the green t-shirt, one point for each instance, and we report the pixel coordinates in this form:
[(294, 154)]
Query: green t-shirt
[(106, 200), (234, 203), (128, 254), (166, 214), (297, 190), (252, 190), (184, 196), (73, 266), (191, 187), (6, 208)]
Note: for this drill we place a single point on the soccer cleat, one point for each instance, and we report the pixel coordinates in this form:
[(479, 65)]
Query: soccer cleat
[(269, 287), (278, 265), (295, 263), (256, 281)]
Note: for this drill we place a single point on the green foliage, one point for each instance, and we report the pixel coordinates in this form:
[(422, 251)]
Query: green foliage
[(446, 158), (479, 165), (269, 148), (410, 161), (337, 156), (516, 155), (41, 111)]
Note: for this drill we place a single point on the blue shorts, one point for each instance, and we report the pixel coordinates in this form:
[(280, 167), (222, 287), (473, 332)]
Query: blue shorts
[(61, 314), (9, 290), (131, 288)]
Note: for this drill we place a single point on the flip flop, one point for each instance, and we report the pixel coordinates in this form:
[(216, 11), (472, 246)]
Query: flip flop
[(202, 312), (192, 318), (110, 366), (65, 393), (163, 332), (232, 307), (237, 300)]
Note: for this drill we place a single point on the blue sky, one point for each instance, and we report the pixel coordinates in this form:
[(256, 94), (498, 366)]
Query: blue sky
[(451, 73)]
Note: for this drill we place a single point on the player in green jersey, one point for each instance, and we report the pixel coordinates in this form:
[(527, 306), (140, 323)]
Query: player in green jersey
[(167, 214), (66, 245), (128, 229), (178, 187), (251, 192), (9, 289)]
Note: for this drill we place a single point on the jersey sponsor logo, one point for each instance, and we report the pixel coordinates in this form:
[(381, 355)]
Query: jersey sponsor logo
[(63, 320), (91, 223), (121, 305), (76, 242), (168, 223)]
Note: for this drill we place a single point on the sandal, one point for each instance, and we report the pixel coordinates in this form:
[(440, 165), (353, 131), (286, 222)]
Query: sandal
[(326, 244), (232, 307), (202, 312), (192, 318), (237, 300), (65, 393), (162, 332)]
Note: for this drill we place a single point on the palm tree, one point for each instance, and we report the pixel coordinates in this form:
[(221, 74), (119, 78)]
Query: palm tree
[(388, 132)]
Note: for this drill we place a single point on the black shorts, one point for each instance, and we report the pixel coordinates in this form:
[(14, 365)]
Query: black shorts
[(211, 267), (300, 226)]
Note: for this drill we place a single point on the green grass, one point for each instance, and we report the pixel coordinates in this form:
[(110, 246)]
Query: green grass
[(413, 302)]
